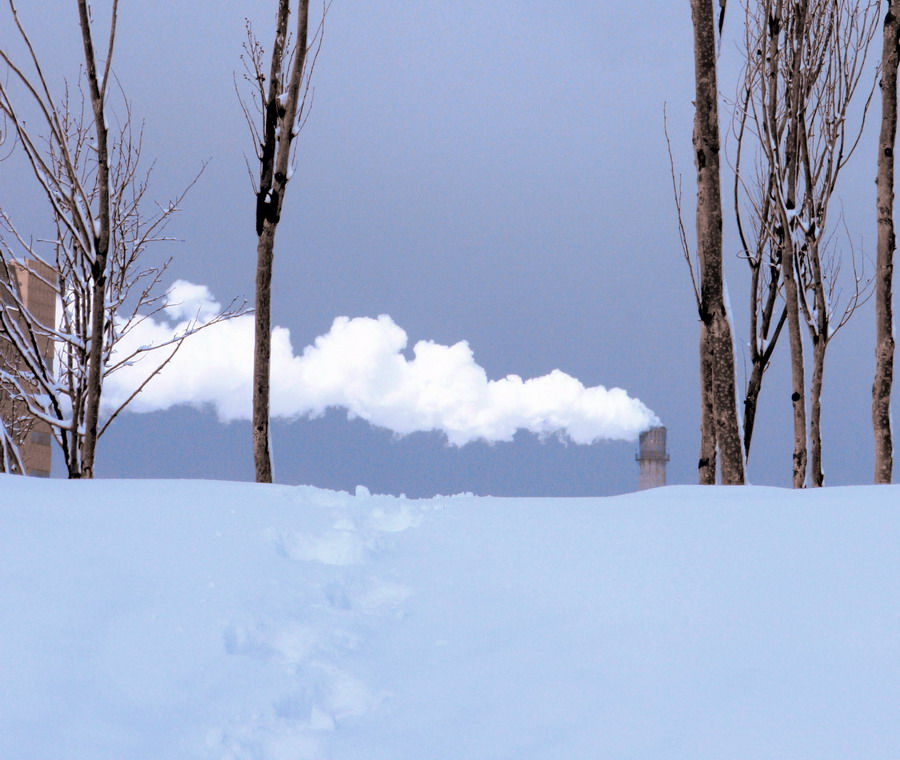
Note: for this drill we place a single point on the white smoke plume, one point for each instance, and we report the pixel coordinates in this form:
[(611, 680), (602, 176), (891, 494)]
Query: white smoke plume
[(359, 366)]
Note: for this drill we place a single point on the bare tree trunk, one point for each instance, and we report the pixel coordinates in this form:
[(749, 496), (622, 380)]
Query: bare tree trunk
[(819, 337), (751, 402), (762, 256), (717, 339), (798, 381), (816, 475), (267, 214), (101, 248), (792, 294), (707, 465), (279, 130), (760, 359), (262, 355), (884, 317)]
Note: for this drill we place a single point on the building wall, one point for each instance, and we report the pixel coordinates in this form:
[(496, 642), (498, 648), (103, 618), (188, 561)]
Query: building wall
[(34, 437)]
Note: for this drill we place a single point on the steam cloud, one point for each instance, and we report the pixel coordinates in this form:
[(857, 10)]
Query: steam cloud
[(359, 365)]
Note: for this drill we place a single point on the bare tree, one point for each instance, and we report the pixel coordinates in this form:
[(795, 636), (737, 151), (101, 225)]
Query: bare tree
[(93, 262), (707, 462), (884, 292), (763, 257), (804, 63), (719, 423), (280, 101)]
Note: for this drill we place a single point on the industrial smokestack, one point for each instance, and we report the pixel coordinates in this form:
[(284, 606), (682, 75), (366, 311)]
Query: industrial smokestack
[(652, 458)]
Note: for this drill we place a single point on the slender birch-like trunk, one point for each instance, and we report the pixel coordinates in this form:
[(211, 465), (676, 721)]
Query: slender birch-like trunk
[(816, 474), (819, 335), (101, 233), (798, 380), (279, 130), (792, 295), (884, 317), (707, 464), (716, 339)]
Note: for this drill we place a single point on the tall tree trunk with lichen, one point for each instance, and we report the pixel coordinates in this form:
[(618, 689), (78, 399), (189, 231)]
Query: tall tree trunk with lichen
[(884, 316), (717, 347)]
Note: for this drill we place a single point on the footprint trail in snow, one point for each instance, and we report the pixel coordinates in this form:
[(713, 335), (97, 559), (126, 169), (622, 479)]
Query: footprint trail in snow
[(306, 630)]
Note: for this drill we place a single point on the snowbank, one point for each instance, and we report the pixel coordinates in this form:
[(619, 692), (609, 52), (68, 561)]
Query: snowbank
[(162, 620)]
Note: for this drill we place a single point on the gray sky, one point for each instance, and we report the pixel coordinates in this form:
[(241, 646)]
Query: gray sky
[(494, 172)]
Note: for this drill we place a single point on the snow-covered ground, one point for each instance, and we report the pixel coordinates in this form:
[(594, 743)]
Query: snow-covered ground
[(167, 620)]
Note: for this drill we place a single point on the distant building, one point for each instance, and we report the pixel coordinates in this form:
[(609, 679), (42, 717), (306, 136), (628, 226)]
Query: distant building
[(33, 436), (652, 458)]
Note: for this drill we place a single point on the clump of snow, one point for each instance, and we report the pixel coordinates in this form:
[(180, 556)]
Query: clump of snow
[(359, 365), (199, 621)]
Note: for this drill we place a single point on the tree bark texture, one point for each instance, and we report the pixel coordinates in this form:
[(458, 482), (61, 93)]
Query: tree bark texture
[(819, 337), (707, 464), (884, 317), (798, 380), (279, 132), (101, 252), (716, 338), (791, 293), (262, 355), (816, 474), (760, 358), (751, 403)]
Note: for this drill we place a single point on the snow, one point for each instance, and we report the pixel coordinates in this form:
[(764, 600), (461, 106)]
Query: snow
[(182, 619)]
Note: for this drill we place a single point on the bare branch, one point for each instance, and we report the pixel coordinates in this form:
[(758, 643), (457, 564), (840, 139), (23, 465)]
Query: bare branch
[(676, 194)]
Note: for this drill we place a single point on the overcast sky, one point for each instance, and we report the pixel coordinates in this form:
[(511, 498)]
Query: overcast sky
[(487, 171)]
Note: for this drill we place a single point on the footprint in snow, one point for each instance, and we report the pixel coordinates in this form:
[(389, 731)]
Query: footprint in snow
[(293, 720), (292, 643), (370, 596)]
